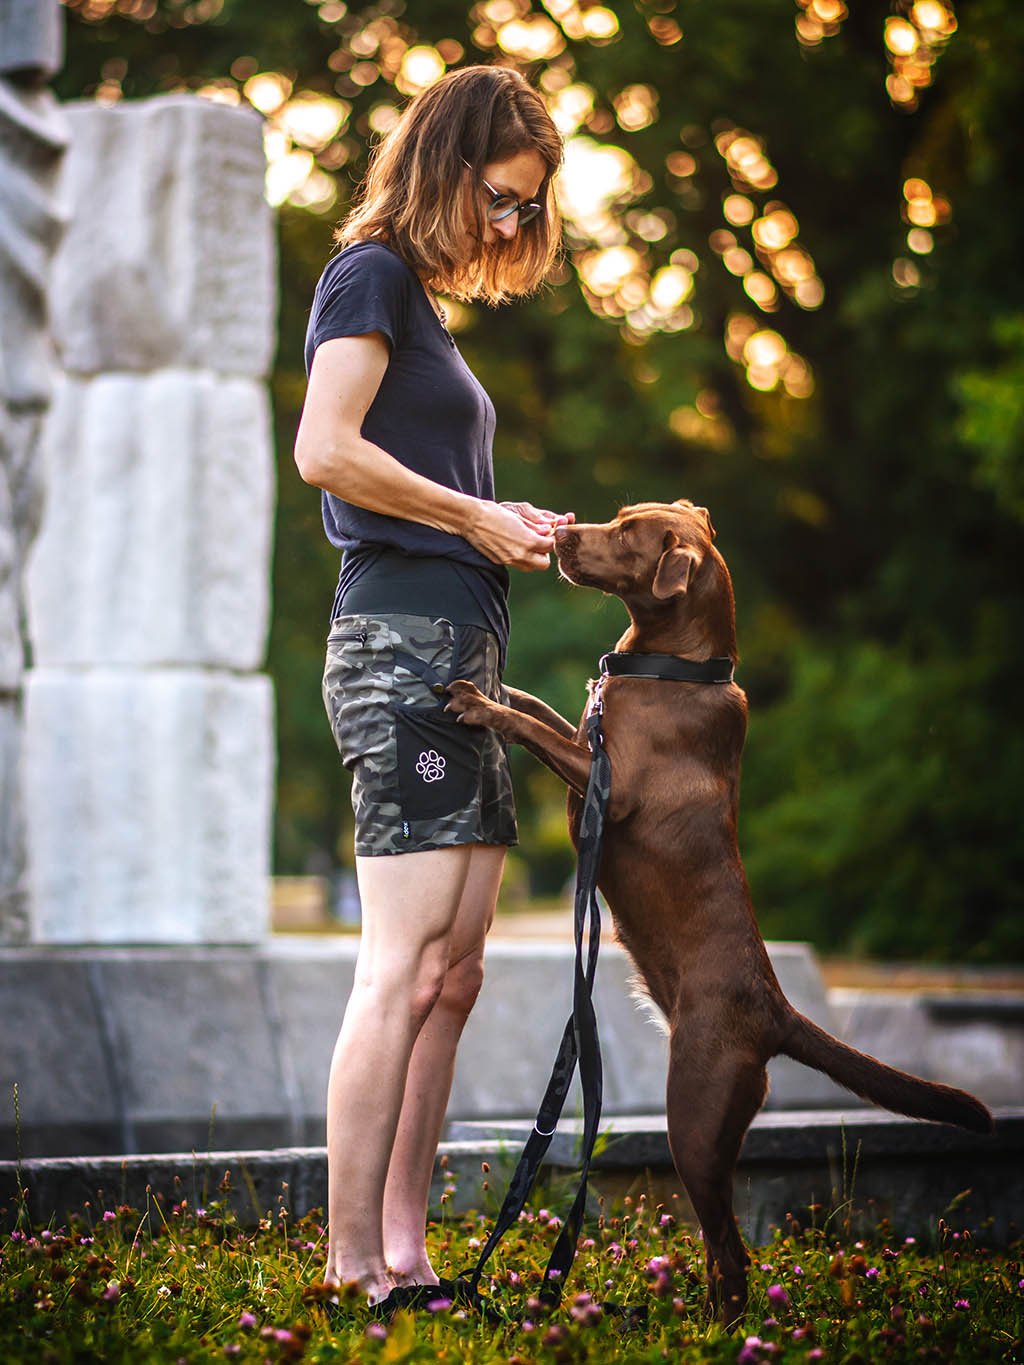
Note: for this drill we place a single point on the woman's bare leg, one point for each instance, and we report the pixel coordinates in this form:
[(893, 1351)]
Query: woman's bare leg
[(429, 1080), (410, 902)]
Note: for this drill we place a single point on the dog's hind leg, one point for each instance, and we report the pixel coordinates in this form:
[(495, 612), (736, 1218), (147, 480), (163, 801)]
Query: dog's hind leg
[(712, 1097)]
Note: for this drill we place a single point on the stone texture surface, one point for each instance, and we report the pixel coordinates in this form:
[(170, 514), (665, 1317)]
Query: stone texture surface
[(148, 797), (155, 540), (21, 500), (223, 1063), (976, 1044), (31, 37), (174, 263), (33, 138), (57, 1051), (14, 912)]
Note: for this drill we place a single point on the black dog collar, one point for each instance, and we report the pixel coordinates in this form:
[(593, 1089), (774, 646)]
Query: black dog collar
[(668, 667)]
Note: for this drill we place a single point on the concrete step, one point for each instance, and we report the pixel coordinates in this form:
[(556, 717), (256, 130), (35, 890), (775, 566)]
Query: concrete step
[(855, 1167)]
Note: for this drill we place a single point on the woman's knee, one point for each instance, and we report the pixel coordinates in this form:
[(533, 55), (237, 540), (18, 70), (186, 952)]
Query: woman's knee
[(408, 987), (462, 983)]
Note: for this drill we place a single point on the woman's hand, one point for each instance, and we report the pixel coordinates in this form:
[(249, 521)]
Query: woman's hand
[(505, 536), (538, 518)]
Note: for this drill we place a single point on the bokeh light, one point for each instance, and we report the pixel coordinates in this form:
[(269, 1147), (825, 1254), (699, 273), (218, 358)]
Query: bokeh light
[(914, 39)]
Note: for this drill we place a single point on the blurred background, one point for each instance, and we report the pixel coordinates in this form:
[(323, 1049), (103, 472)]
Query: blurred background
[(791, 291)]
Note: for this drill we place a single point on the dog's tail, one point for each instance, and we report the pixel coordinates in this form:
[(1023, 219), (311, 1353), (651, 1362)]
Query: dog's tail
[(884, 1085)]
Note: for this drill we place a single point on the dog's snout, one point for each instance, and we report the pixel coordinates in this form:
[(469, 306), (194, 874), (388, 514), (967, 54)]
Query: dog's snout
[(566, 539)]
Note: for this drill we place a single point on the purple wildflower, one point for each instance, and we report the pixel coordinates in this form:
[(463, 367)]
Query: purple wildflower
[(232, 1349), (962, 1303), (438, 1305), (777, 1296), (376, 1331), (247, 1320), (113, 1291), (109, 1215), (871, 1273), (749, 1351)]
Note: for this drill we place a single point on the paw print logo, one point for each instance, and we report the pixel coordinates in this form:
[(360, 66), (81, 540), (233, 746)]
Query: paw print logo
[(431, 765)]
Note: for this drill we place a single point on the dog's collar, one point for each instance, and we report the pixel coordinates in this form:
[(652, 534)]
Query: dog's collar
[(668, 667)]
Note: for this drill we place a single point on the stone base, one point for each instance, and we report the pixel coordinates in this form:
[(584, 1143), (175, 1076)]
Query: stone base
[(854, 1169), (128, 1050)]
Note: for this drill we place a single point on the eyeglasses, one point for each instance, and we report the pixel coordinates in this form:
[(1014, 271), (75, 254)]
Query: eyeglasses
[(504, 205)]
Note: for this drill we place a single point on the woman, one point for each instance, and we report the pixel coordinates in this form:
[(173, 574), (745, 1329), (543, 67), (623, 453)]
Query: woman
[(397, 433)]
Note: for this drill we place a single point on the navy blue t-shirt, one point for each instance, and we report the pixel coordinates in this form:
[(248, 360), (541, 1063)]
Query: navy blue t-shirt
[(430, 413)]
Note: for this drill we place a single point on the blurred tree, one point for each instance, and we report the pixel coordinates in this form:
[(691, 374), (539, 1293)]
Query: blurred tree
[(791, 292)]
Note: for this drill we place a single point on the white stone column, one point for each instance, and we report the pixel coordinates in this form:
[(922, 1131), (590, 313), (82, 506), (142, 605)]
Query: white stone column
[(33, 136), (149, 726)]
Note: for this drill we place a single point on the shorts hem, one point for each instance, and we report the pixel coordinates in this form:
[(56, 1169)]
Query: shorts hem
[(428, 845)]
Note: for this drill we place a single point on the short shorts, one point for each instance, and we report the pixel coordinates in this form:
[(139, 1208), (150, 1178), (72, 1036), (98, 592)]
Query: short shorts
[(420, 780)]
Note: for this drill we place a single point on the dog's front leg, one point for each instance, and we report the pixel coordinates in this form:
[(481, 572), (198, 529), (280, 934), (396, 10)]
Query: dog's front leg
[(529, 705), (567, 759)]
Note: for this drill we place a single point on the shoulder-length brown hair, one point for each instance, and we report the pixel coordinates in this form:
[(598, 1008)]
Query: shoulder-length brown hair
[(415, 194)]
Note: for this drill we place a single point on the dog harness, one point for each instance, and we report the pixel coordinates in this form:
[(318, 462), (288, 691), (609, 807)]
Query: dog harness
[(580, 1042)]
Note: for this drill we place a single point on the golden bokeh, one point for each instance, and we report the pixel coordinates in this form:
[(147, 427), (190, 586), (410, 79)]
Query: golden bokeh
[(914, 39)]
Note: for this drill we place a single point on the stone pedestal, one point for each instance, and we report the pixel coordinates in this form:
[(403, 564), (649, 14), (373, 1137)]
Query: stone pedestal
[(149, 731)]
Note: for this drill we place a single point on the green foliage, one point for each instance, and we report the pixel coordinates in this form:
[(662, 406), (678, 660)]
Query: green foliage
[(873, 528), (167, 1284), (873, 821)]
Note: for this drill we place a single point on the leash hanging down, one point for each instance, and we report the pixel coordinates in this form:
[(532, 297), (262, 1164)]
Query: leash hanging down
[(580, 1042)]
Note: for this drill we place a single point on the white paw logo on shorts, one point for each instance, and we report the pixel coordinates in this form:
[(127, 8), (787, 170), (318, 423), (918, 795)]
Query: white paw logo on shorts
[(431, 765)]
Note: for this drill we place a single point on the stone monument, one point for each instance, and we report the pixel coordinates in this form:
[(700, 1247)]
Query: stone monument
[(33, 136), (149, 734)]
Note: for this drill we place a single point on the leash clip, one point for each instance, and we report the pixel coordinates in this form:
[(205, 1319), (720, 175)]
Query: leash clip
[(595, 707)]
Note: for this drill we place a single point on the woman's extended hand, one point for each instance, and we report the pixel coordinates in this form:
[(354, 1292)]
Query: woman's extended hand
[(507, 537), (538, 517)]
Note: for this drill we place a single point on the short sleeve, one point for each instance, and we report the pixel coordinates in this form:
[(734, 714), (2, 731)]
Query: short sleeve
[(365, 288)]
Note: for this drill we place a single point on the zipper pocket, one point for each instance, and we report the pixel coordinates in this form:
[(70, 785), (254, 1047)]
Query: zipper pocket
[(336, 637)]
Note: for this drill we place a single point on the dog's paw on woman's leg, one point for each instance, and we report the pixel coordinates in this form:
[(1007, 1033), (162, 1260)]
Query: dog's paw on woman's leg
[(468, 703)]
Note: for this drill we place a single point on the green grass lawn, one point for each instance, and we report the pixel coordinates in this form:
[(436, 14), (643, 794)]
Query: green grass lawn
[(177, 1284)]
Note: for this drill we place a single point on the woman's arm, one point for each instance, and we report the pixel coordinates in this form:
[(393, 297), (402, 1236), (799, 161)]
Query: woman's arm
[(331, 453)]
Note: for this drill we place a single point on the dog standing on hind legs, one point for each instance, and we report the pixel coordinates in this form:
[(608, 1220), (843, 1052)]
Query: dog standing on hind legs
[(671, 870)]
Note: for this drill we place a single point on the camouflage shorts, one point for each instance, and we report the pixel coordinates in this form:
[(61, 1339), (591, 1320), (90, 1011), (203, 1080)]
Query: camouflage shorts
[(420, 779)]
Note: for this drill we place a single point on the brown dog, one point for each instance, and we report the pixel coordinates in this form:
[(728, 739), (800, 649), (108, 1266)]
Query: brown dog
[(671, 869)]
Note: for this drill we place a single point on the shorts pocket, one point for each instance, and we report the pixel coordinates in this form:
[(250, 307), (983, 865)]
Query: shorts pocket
[(439, 762)]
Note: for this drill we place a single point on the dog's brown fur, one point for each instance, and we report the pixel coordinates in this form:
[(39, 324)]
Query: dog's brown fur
[(671, 869)]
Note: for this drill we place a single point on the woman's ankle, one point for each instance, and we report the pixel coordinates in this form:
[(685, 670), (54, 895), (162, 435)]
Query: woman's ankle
[(375, 1282), (412, 1269)]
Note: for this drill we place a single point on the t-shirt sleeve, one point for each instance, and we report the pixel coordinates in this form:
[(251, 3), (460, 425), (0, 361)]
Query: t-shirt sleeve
[(363, 289)]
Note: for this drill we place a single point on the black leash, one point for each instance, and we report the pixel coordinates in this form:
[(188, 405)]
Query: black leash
[(580, 1043)]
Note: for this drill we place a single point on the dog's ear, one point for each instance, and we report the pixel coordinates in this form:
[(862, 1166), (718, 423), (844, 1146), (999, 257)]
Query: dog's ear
[(672, 576), (701, 512)]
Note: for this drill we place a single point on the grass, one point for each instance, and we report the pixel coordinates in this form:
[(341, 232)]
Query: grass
[(171, 1283)]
